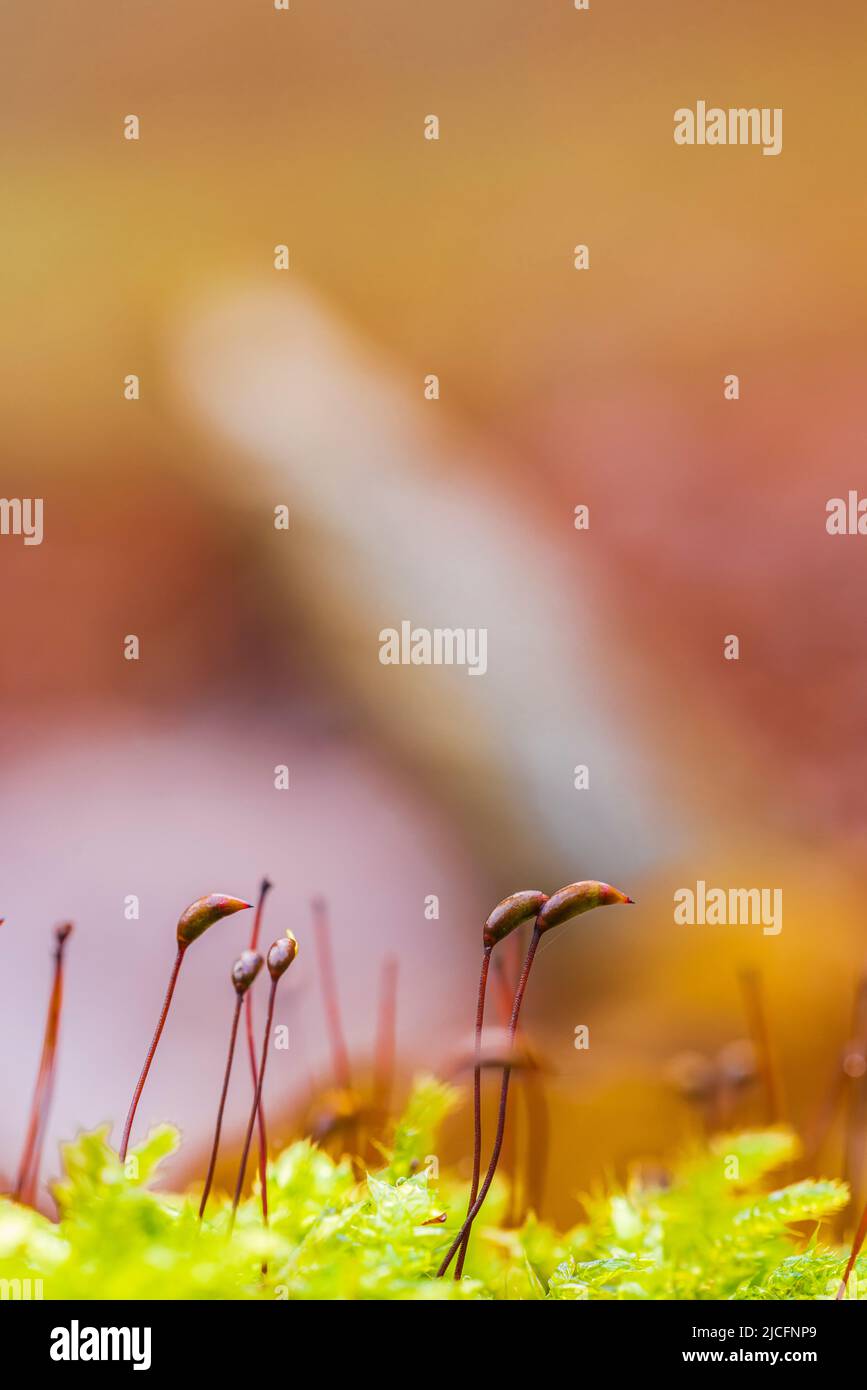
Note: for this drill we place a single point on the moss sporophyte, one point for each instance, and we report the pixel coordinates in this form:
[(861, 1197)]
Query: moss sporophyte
[(197, 918), (332, 1227), (568, 902), (244, 972), (280, 957)]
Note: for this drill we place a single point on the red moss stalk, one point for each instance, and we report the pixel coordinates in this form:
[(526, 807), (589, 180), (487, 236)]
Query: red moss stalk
[(264, 889), (200, 915), (325, 959), (244, 972), (506, 917), (574, 899), (856, 1250), (280, 957), (31, 1156)]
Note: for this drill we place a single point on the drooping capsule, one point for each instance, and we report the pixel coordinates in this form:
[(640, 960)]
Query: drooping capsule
[(576, 898), (692, 1075), (245, 970), (200, 915), (512, 912), (737, 1063), (203, 913), (281, 955)]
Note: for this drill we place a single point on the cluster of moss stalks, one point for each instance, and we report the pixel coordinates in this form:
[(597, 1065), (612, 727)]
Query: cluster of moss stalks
[(320, 1226), (699, 1234)]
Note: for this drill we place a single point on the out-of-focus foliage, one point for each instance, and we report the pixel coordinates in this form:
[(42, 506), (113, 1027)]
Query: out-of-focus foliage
[(713, 1229), (715, 1232)]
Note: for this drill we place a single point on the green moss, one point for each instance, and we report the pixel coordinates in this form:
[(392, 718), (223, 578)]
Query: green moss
[(717, 1230)]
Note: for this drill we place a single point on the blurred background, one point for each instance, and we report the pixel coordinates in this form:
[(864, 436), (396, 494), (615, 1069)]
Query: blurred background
[(305, 388)]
